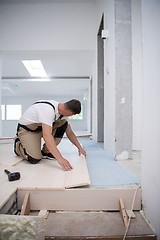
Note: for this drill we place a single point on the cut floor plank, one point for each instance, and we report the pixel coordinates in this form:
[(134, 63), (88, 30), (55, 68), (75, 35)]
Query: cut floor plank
[(79, 175)]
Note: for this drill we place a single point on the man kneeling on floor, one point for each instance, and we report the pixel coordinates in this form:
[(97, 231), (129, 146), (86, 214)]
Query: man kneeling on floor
[(47, 119)]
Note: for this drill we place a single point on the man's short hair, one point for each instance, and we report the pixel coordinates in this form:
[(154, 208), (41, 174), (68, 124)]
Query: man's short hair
[(74, 105)]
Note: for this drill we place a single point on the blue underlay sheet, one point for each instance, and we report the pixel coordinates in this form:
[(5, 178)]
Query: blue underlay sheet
[(103, 169)]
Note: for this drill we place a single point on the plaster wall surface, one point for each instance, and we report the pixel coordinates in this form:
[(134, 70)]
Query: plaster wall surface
[(109, 79), (94, 99), (107, 7), (47, 26), (136, 22), (0, 97), (123, 85), (151, 112)]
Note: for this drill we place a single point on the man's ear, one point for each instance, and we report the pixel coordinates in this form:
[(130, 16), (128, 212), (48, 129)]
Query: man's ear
[(71, 113)]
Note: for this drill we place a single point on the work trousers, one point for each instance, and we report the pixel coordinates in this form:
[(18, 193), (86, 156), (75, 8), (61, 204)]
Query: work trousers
[(28, 141)]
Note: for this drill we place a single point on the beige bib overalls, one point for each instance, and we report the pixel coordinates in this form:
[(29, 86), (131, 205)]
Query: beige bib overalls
[(28, 141)]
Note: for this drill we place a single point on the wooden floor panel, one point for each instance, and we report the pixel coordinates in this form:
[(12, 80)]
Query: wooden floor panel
[(47, 174)]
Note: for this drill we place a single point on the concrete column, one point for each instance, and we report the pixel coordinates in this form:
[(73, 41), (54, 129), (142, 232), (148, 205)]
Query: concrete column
[(137, 74), (123, 79)]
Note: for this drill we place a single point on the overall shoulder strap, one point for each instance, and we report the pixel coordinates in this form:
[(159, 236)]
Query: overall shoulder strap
[(61, 116), (46, 103)]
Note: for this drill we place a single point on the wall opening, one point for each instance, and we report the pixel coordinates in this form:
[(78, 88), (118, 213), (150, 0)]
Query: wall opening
[(100, 79)]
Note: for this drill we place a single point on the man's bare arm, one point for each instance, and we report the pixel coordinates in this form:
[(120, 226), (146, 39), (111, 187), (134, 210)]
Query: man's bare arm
[(51, 145), (72, 137)]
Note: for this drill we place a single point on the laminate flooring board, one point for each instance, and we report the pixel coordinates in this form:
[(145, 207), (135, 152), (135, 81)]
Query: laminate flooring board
[(47, 174), (79, 175)]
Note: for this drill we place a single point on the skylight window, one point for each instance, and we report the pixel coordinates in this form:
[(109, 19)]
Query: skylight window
[(35, 68)]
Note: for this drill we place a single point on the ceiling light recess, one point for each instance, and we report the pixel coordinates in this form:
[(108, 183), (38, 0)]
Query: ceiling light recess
[(35, 68)]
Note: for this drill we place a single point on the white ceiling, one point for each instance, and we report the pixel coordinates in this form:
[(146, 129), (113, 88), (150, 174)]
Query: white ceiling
[(69, 73), (69, 69)]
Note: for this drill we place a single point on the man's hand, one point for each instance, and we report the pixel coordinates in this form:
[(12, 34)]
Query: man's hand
[(65, 164), (49, 140), (81, 151)]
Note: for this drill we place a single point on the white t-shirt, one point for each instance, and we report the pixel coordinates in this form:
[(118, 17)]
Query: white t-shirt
[(41, 113)]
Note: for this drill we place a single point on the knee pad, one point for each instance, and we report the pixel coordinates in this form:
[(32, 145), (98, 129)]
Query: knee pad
[(16, 141), (33, 160)]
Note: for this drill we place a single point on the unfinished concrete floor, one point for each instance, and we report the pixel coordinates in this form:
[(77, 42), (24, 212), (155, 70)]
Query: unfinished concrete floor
[(99, 224), (94, 224)]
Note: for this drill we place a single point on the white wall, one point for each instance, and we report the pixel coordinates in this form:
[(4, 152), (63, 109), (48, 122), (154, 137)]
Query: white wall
[(60, 25), (0, 97), (107, 7), (151, 111), (9, 126), (109, 79), (136, 73), (94, 99)]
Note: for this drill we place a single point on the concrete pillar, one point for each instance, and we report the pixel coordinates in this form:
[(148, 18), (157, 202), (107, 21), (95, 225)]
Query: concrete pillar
[(123, 79), (137, 74)]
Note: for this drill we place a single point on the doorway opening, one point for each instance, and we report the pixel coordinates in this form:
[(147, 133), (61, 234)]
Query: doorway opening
[(100, 82)]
